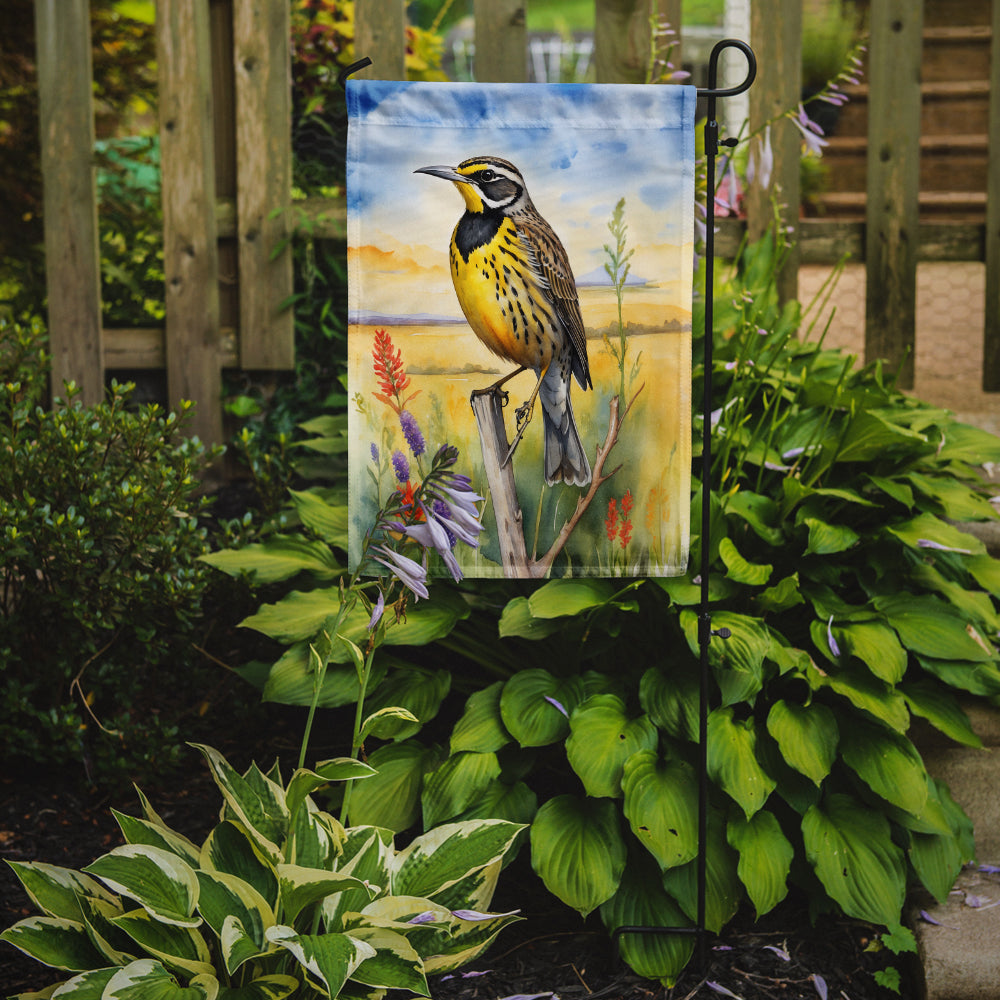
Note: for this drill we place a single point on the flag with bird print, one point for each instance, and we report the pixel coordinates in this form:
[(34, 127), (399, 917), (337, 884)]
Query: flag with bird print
[(520, 262)]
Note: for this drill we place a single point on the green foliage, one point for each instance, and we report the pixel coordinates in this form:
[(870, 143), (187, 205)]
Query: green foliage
[(279, 899), (101, 587)]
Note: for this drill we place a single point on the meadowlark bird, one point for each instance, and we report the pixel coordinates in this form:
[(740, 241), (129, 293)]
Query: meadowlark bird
[(515, 285)]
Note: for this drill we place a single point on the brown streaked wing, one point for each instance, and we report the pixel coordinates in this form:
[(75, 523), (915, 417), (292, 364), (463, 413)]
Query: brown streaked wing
[(549, 255)]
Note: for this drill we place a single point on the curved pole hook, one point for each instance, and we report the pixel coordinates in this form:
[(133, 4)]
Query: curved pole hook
[(712, 90), (353, 68)]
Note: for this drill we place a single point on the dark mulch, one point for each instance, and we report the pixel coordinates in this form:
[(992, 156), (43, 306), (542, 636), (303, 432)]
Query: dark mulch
[(551, 951)]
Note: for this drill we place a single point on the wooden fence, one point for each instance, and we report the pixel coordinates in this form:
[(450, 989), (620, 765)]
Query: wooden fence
[(226, 161)]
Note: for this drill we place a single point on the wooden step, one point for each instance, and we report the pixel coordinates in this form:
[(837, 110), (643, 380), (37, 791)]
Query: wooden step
[(957, 206), (956, 53)]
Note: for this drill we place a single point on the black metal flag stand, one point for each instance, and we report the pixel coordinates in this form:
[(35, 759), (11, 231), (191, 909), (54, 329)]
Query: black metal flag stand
[(705, 630)]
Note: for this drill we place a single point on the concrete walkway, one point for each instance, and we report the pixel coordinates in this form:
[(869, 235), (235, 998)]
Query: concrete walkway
[(958, 941)]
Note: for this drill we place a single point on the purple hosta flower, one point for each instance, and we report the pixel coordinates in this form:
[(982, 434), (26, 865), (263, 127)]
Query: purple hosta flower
[(431, 534), (374, 451), (427, 917), (812, 134), (761, 163), (410, 573), (443, 511), (401, 466), (475, 915), (719, 988), (831, 642), (820, 984), (411, 431), (557, 704), (927, 543), (377, 611), (782, 953)]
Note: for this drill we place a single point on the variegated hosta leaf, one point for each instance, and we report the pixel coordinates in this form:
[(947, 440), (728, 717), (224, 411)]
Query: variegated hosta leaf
[(177, 947), (300, 887), (602, 737), (256, 801), (851, 849), (56, 891), (54, 941), (765, 858), (468, 939), (86, 986), (578, 851), (807, 736), (481, 727), (475, 891), (274, 987), (230, 849), (661, 800), (395, 964), (732, 760), (329, 959), (642, 902), (141, 831), (441, 857), (225, 897), (158, 880), (116, 946), (304, 782), (367, 853), (315, 839), (147, 979)]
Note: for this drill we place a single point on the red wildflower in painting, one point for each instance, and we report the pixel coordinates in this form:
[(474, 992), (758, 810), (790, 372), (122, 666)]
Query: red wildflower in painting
[(392, 377), (611, 521), (625, 531)]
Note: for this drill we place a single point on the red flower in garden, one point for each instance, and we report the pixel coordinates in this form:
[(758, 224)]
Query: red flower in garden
[(392, 377)]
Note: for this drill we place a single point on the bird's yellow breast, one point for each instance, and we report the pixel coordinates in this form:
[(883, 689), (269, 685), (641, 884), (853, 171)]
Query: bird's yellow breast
[(504, 301)]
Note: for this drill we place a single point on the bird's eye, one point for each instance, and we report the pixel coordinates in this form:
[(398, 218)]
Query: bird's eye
[(488, 175)]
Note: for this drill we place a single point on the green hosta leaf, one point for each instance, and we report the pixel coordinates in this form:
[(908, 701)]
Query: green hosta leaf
[(976, 678), (517, 620), (957, 501), (274, 987), (924, 528), (142, 831), (941, 709), (684, 592), (866, 692), (975, 605), (159, 881), (180, 948), (732, 760), (301, 887), (330, 959), (395, 964), (937, 858), (226, 898), (291, 680), (888, 763), (602, 738), (456, 784), (739, 569), (641, 901), (894, 489), (807, 736), (440, 858), (661, 798), (986, 572), (56, 891), (327, 520), (54, 941), (530, 706), (386, 723), (516, 803), (758, 511), (850, 848), (670, 698), (783, 595), (147, 979), (481, 727), (965, 443), (723, 889), (578, 851), (260, 809), (230, 849), (738, 661), (391, 798), (415, 689), (876, 646), (279, 558), (870, 436), (765, 858), (828, 539), (559, 598), (931, 628)]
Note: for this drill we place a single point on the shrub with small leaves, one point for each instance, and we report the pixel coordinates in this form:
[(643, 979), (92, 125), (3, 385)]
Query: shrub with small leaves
[(100, 579)]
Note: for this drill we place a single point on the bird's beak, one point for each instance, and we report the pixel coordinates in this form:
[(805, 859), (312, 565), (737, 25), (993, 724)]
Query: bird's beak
[(448, 173)]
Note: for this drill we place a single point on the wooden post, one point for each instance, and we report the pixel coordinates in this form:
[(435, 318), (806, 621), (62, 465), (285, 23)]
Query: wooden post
[(893, 184), (776, 35), (501, 41), (190, 254), (621, 40), (991, 333), (380, 34), (262, 61), (72, 256)]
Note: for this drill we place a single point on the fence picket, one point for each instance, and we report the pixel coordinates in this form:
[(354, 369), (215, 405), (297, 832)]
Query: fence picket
[(380, 34), (72, 257), (501, 41), (892, 215), (991, 332), (190, 252)]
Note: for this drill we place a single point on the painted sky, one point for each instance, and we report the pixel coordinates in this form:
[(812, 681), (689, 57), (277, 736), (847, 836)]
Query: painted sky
[(579, 147)]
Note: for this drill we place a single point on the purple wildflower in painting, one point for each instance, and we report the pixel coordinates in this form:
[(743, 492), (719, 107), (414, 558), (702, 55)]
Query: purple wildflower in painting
[(401, 466), (412, 433)]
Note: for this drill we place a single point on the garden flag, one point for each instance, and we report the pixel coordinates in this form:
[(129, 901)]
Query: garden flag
[(520, 274)]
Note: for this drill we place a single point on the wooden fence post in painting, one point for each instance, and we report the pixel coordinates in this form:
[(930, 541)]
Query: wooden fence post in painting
[(190, 251), (776, 34), (892, 215), (991, 332), (72, 256)]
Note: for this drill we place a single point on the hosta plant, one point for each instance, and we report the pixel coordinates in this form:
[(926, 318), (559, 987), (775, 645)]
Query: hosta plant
[(279, 900)]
